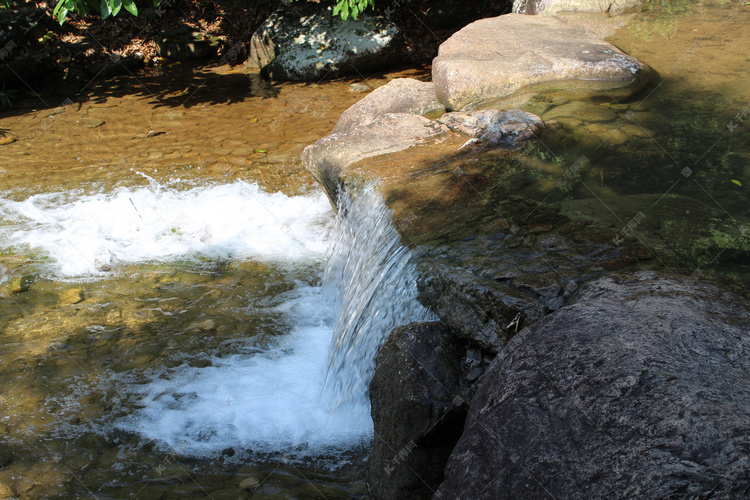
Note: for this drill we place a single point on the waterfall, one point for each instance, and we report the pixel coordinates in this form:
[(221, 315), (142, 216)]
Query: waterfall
[(371, 280), (306, 393)]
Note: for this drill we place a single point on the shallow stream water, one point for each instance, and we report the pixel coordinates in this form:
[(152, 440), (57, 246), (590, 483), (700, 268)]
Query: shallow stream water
[(164, 329)]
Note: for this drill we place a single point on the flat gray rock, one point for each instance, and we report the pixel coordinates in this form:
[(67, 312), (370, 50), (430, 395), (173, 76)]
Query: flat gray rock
[(493, 58), (640, 388), (401, 95), (328, 158)]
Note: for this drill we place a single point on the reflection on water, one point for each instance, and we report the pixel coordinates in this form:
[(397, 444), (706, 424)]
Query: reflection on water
[(670, 166)]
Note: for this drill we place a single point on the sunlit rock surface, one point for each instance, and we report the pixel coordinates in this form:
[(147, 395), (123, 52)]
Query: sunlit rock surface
[(611, 7), (508, 128), (307, 42), (493, 58), (400, 95)]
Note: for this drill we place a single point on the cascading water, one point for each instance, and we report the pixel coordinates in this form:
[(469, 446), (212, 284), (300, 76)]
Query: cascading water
[(307, 393), (372, 282), (294, 380)]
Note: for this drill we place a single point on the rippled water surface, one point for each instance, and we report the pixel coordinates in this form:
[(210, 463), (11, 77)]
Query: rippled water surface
[(164, 329), (163, 325), (671, 165)]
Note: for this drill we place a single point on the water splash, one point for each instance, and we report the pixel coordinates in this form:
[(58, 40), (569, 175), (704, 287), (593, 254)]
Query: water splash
[(307, 395), (371, 280), (85, 235)]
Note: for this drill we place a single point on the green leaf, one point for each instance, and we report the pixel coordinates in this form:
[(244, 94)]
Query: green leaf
[(130, 7), (57, 7), (61, 15), (105, 10), (116, 5), (737, 182)]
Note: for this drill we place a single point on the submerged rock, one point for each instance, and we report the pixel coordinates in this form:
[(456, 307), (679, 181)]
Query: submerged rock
[(489, 287), (418, 408), (611, 7), (639, 388), (72, 296), (306, 42), (509, 128), (493, 58)]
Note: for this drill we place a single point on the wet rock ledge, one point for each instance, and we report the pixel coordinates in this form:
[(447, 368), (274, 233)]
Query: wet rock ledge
[(560, 360)]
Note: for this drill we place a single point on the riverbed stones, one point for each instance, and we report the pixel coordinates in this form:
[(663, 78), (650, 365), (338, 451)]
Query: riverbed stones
[(419, 419), (401, 95), (5, 491), (611, 7), (6, 138), (592, 113), (491, 59), (640, 387), (509, 128), (680, 229), (306, 42), (72, 296)]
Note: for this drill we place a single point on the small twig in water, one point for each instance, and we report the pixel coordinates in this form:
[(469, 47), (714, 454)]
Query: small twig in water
[(136, 210)]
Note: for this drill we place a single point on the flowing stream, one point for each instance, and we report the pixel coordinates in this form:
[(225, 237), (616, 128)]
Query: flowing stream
[(173, 327), (291, 382), (182, 313)]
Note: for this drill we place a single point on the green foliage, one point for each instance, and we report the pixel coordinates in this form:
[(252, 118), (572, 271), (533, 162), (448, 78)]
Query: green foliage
[(354, 8), (105, 7), (346, 8)]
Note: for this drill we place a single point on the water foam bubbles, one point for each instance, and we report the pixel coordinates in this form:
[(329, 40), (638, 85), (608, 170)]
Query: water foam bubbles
[(267, 402), (87, 235)]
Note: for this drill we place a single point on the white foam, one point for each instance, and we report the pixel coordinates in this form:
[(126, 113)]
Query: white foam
[(269, 402), (86, 234), (276, 400)]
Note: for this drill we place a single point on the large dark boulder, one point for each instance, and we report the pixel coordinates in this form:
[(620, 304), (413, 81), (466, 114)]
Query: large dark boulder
[(307, 42), (639, 388), (418, 407)]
